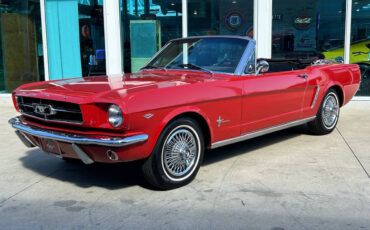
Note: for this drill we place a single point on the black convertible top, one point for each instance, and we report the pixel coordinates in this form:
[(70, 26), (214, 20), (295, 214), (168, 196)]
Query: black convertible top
[(283, 64)]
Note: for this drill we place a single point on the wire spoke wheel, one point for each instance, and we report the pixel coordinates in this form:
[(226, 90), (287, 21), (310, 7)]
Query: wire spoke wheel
[(177, 155), (330, 111), (180, 152), (327, 115)]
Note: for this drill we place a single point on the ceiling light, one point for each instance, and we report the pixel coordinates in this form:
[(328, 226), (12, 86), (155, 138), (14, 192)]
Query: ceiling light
[(234, 2)]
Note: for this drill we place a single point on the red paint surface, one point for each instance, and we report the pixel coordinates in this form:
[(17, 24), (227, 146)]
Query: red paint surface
[(249, 103)]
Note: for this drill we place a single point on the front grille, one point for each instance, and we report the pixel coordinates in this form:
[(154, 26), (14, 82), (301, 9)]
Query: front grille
[(50, 110)]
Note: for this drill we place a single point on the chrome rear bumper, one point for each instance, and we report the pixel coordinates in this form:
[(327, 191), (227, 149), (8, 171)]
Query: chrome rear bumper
[(22, 127)]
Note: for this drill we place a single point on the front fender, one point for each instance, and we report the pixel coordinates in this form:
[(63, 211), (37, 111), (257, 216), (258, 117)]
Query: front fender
[(178, 112), (152, 122)]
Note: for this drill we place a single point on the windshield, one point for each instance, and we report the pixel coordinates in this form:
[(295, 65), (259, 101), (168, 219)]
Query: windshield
[(202, 54)]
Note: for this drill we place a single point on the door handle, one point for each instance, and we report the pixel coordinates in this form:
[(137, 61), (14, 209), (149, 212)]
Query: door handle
[(304, 75)]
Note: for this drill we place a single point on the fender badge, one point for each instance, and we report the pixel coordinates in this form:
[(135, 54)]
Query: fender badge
[(148, 115), (220, 121)]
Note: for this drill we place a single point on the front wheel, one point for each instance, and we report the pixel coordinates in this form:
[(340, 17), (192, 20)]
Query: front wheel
[(177, 156), (327, 115)]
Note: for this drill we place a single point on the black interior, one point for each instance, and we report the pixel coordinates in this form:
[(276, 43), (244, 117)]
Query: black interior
[(280, 65)]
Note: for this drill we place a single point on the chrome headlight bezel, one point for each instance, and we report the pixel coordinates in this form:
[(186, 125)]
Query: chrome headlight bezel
[(115, 116)]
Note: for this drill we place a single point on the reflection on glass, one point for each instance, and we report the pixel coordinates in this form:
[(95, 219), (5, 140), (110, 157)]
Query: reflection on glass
[(185, 53), (220, 17), (360, 43), (21, 52), (210, 54), (147, 26), (310, 29), (91, 37)]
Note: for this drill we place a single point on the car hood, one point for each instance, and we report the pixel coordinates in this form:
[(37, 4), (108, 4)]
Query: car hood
[(104, 88)]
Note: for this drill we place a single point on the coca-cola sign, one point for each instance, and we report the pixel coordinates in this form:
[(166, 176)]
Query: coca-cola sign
[(302, 22)]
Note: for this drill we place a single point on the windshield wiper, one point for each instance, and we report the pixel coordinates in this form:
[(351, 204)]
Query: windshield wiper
[(154, 67), (192, 66)]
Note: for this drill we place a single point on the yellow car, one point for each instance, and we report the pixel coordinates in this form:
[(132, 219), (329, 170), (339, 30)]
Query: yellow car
[(360, 52)]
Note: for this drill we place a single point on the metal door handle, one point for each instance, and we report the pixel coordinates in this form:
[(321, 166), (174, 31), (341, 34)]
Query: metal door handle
[(303, 75)]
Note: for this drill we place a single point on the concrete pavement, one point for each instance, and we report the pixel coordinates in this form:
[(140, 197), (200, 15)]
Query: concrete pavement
[(286, 180)]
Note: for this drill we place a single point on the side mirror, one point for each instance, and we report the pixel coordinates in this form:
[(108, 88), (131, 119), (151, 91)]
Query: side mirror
[(262, 67)]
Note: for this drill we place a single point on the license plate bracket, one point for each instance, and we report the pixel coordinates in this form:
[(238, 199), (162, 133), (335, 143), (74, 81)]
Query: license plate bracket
[(51, 147)]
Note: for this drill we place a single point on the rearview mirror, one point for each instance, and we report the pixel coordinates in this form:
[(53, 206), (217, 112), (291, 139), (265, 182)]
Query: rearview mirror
[(262, 67)]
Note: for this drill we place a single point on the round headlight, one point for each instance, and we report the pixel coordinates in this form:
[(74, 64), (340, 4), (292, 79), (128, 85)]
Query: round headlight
[(115, 116)]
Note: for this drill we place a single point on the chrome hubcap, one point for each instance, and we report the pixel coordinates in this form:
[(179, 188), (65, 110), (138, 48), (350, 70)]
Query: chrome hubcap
[(180, 152), (330, 111)]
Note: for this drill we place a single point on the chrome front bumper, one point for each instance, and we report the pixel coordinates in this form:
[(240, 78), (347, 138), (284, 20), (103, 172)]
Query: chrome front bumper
[(22, 127)]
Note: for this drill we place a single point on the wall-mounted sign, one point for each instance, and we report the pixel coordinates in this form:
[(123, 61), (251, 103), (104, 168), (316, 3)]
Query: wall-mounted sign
[(277, 17), (302, 21), (233, 20)]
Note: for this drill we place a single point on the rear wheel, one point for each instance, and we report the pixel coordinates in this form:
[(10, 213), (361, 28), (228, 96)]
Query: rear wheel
[(177, 156), (328, 114)]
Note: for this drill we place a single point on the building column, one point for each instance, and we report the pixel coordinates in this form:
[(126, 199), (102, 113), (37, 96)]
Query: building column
[(63, 40), (184, 18), (44, 40), (347, 32), (262, 27), (112, 37)]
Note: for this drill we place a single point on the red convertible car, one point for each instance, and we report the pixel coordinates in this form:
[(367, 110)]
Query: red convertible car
[(195, 94)]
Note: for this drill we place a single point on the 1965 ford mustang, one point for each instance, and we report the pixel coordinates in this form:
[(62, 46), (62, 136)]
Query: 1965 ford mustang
[(195, 94)]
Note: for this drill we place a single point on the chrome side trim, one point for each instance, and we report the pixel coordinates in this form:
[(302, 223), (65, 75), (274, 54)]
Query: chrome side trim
[(315, 98), (260, 132), (82, 155), (76, 139)]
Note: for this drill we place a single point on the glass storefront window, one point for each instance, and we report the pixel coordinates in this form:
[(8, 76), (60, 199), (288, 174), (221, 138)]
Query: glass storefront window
[(360, 42), (92, 45), (147, 25), (220, 17), (21, 50), (310, 29), (75, 37)]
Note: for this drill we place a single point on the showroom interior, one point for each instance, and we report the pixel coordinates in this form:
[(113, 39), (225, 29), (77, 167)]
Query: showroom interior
[(59, 39)]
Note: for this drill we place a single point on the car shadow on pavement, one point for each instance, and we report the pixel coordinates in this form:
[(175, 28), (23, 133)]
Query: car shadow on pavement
[(121, 175), (109, 176)]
